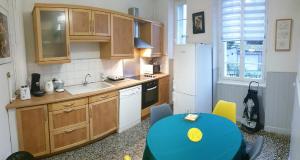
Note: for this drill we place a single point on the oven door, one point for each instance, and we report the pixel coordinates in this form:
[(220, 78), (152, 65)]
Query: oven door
[(150, 96)]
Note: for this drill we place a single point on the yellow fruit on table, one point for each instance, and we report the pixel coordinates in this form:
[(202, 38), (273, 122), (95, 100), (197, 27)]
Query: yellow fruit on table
[(195, 134)]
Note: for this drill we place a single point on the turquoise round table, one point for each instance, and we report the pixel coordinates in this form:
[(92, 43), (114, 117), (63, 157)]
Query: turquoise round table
[(167, 139)]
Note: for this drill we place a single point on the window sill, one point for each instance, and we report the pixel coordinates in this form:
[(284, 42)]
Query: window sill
[(239, 83)]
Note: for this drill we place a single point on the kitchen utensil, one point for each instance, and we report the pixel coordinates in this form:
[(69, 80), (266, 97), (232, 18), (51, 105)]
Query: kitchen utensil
[(25, 93), (115, 77), (49, 87), (59, 85)]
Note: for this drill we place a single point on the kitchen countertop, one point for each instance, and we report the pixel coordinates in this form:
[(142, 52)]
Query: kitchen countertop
[(64, 96)]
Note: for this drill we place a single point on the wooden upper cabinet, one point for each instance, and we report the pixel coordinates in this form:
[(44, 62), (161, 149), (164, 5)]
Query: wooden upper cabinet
[(152, 33), (80, 21), (101, 23), (157, 39), (51, 28), (164, 88), (86, 22), (33, 131), (103, 117), (122, 40)]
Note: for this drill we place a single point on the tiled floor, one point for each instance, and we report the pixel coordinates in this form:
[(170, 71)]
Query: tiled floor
[(132, 142)]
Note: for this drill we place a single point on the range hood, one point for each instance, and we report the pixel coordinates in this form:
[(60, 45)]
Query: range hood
[(138, 42)]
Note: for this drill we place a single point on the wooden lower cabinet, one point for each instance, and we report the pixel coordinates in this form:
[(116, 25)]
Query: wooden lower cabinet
[(69, 137), (163, 92), (68, 117), (59, 126), (33, 131), (103, 117)]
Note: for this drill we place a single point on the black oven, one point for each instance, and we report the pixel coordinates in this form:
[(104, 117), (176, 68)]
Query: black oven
[(149, 93)]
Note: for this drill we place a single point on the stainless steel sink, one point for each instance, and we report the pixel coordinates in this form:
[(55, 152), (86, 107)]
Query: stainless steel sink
[(91, 87)]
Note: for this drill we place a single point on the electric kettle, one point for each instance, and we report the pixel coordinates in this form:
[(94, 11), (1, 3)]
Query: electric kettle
[(49, 87)]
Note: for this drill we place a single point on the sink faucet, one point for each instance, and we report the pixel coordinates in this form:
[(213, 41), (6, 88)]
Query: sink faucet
[(85, 79)]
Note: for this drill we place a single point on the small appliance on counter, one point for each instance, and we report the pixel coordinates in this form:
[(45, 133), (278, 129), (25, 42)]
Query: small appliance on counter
[(115, 77), (151, 69), (25, 92), (49, 87), (35, 85), (59, 85)]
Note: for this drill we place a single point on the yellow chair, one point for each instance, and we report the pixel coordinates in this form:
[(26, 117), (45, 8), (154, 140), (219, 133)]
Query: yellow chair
[(226, 109)]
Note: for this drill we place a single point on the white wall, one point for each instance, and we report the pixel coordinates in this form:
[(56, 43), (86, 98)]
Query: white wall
[(282, 61), (194, 6)]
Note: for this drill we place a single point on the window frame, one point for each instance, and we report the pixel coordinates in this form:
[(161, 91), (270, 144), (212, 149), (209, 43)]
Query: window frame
[(176, 4), (221, 60)]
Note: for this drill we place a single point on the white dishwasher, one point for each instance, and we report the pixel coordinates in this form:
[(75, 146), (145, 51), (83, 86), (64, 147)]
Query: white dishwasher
[(130, 107)]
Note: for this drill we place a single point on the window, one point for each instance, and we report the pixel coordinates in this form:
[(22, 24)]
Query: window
[(243, 34), (181, 22)]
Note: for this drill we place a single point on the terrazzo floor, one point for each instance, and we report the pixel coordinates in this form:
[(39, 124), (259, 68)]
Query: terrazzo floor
[(132, 142)]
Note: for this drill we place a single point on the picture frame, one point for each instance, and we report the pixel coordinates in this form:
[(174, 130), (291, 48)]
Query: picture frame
[(5, 50), (283, 34), (198, 22)]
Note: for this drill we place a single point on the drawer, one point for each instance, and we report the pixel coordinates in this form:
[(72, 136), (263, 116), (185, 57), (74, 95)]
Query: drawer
[(68, 138), (67, 104), (102, 97), (68, 117)]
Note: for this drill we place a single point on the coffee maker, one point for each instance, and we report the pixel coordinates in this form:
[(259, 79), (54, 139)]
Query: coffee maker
[(35, 85)]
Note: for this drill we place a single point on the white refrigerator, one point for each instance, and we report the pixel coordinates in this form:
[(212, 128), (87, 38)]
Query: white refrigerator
[(192, 84)]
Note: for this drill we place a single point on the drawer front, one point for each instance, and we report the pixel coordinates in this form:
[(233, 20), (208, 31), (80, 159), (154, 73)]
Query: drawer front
[(68, 138), (68, 117), (102, 97), (67, 104)]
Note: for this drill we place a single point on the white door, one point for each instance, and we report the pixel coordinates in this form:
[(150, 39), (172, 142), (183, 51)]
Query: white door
[(184, 69), (5, 145)]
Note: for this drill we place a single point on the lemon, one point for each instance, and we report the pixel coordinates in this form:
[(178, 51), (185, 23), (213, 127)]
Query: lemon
[(194, 134)]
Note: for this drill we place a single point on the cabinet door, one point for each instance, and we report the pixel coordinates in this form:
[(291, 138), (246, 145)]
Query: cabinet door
[(122, 36), (80, 21), (51, 35), (33, 130), (69, 137), (103, 117), (101, 23), (157, 39), (163, 90)]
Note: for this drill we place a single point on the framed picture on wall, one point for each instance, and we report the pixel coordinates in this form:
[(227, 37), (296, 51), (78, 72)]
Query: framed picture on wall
[(5, 56), (198, 22), (283, 34)]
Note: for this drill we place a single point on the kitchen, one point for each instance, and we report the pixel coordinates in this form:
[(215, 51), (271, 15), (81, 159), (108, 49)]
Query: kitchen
[(87, 75)]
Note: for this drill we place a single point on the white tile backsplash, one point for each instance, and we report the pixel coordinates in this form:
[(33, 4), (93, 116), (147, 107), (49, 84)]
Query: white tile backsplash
[(85, 58), (73, 73)]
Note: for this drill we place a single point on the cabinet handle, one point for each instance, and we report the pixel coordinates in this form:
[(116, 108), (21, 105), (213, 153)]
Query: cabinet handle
[(69, 131), (68, 110), (68, 105), (150, 89), (105, 96)]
